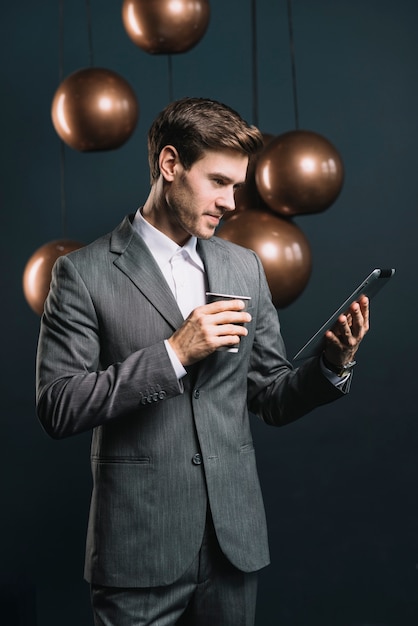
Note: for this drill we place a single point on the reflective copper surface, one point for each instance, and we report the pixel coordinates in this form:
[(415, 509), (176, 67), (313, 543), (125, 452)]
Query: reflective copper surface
[(165, 26), (94, 109), (282, 247), (37, 273), (299, 172)]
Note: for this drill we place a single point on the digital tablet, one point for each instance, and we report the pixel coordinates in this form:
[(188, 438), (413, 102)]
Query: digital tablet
[(369, 287)]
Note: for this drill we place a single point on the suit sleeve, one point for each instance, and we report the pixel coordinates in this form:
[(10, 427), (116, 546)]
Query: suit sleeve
[(278, 392), (73, 393)]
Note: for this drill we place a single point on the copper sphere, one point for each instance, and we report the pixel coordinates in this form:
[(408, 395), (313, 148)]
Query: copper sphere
[(165, 26), (299, 172), (37, 273), (94, 109), (282, 247), (247, 196)]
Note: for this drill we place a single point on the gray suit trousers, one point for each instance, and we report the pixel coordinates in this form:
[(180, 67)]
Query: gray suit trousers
[(211, 592)]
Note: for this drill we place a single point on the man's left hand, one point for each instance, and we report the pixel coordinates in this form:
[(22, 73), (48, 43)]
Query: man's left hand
[(343, 340)]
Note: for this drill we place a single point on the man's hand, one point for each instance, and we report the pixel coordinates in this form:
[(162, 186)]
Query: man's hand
[(210, 327), (342, 342)]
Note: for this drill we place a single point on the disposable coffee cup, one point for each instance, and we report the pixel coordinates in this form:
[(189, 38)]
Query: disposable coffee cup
[(216, 297)]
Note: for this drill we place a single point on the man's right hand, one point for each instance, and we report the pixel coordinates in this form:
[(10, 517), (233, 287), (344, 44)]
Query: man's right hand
[(208, 328)]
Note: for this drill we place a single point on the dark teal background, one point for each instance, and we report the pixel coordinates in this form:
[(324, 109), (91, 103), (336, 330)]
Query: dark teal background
[(340, 485)]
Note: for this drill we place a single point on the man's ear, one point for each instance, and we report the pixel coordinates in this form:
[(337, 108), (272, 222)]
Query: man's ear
[(168, 160)]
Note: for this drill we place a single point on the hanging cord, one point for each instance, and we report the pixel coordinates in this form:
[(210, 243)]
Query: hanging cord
[(62, 145), (170, 78), (293, 63), (254, 61), (63, 204), (89, 33)]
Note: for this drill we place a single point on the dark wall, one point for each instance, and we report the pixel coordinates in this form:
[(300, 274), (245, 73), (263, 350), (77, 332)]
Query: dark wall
[(340, 485)]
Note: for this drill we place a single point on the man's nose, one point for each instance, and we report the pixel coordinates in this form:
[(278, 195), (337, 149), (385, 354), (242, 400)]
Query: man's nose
[(228, 199)]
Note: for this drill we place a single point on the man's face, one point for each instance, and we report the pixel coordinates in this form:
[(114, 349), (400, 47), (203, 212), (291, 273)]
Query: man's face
[(198, 198)]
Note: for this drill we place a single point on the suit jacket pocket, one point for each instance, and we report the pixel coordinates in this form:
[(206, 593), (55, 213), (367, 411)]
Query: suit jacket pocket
[(115, 460)]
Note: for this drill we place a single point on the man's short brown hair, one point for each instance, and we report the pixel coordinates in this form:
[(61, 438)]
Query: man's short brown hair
[(195, 125)]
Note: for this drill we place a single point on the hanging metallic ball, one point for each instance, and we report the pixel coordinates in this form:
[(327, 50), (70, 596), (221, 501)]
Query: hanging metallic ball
[(282, 247), (94, 109), (165, 26), (247, 197), (299, 172), (37, 273)]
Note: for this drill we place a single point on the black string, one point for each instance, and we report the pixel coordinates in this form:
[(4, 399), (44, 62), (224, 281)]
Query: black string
[(89, 33), (63, 204), (254, 61), (170, 78), (62, 145), (293, 63), (61, 42)]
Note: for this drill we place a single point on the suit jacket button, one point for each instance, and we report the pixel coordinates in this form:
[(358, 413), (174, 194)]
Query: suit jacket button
[(162, 395), (196, 394), (197, 459)]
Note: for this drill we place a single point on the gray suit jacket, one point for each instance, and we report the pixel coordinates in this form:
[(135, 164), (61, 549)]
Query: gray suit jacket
[(102, 365)]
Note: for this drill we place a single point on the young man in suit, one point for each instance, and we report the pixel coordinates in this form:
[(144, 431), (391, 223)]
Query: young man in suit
[(129, 349)]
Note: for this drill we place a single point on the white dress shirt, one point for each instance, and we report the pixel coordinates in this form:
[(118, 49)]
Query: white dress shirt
[(183, 270)]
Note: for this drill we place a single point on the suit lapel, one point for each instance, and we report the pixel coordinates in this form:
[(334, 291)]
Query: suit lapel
[(216, 261), (136, 261), (223, 275), (221, 278), (133, 258)]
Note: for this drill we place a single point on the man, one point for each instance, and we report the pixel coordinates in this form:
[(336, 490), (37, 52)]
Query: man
[(129, 349)]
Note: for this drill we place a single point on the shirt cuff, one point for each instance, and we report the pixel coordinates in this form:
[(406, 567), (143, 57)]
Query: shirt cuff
[(175, 362), (342, 383)]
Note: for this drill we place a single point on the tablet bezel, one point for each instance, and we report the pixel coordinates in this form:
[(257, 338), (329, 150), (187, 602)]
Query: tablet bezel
[(369, 287)]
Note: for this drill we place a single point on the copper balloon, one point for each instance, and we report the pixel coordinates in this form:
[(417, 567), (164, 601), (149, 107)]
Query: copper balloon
[(165, 26), (247, 196), (299, 172), (37, 273), (282, 247), (94, 109)]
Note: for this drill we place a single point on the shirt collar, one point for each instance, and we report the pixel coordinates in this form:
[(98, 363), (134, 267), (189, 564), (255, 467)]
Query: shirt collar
[(162, 247)]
